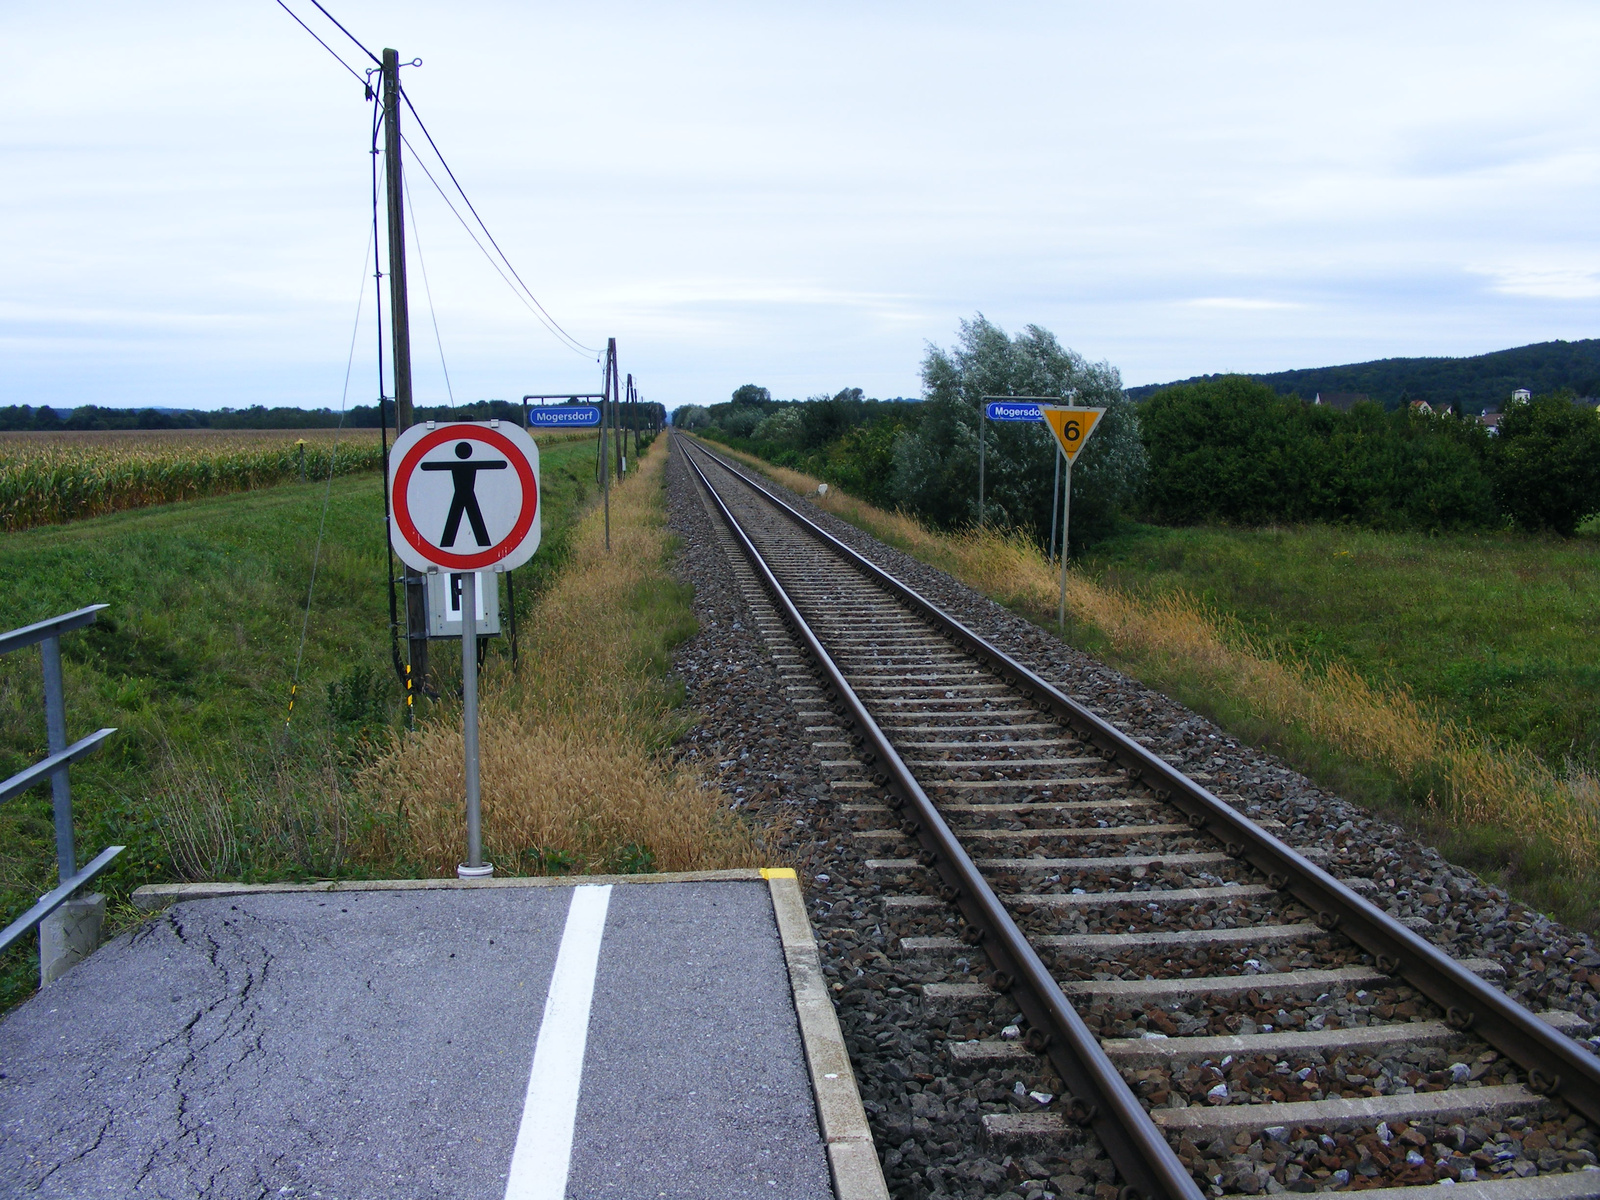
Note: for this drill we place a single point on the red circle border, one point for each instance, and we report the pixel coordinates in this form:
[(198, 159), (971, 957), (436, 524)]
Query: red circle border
[(402, 510)]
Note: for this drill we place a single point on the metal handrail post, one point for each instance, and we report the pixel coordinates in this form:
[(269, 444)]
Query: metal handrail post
[(55, 723)]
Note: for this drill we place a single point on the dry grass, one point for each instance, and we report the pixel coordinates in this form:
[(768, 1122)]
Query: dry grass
[(287, 812), (1456, 774), (572, 754)]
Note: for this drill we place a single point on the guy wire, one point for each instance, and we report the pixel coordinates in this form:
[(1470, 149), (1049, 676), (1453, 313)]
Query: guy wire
[(416, 236), (327, 492)]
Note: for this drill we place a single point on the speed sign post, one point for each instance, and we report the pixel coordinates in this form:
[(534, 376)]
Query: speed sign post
[(1073, 427), (464, 498)]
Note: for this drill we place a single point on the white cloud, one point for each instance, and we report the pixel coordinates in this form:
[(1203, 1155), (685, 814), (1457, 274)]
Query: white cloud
[(1547, 283), (1242, 304), (803, 196)]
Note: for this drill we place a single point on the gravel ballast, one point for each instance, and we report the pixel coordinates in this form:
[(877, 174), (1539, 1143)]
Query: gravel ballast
[(926, 1110)]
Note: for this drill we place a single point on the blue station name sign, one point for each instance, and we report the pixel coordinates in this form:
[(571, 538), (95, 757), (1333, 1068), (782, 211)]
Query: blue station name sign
[(562, 416), (1001, 410)]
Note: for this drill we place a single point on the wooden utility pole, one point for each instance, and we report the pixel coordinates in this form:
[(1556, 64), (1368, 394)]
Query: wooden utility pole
[(400, 323), (399, 314), (616, 408), (608, 400), (633, 425)]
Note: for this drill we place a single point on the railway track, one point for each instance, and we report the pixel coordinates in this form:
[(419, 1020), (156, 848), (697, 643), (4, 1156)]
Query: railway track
[(1223, 1014)]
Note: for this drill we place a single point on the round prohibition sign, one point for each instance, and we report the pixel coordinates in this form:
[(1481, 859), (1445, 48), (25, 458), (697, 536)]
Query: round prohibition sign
[(405, 522)]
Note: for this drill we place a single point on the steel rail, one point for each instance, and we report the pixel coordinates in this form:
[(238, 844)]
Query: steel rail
[(1099, 1096), (1555, 1064)]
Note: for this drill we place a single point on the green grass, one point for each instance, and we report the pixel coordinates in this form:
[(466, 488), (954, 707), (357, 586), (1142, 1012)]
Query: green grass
[(192, 664), (1497, 631)]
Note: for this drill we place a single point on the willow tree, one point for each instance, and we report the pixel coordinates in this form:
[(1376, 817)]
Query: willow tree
[(936, 466)]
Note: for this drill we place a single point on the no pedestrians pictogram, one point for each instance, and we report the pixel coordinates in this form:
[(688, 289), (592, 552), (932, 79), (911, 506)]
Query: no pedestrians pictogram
[(464, 496)]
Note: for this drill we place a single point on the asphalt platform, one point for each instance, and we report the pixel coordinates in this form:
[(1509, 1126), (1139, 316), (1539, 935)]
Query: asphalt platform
[(426, 1042)]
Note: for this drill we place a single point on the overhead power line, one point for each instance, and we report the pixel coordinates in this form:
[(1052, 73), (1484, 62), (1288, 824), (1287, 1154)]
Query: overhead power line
[(468, 201), (519, 287), (347, 33), (359, 77), (555, 330)]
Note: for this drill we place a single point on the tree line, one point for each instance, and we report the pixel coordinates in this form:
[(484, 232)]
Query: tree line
[(1228, 449), (24, 418), (1475, 384)]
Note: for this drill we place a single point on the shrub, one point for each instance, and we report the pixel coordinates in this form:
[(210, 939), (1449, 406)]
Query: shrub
[(1547, 464), (1232, 449)]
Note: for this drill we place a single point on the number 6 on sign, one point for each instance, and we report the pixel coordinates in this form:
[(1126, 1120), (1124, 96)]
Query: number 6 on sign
[(1072, 427)]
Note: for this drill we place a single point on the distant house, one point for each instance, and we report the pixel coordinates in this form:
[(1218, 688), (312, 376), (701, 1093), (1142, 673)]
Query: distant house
[(1439, 408), (1343, 401), (1521, 395), (1491, 422)]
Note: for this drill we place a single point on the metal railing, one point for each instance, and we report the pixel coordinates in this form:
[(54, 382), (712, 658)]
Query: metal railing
[(47, 635)]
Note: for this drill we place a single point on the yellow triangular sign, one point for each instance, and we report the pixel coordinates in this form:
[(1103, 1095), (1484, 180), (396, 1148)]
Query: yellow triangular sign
[(1072, 426)]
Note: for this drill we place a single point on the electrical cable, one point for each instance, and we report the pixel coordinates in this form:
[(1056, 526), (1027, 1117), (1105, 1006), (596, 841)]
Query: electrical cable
[(327, 491), (347, 33), (359, 77), (535, 306), (416, 236), (465, 198), (489, 258)]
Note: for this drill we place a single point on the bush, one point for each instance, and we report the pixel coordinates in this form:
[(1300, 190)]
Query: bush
[(1547, 464), (1232, 449)]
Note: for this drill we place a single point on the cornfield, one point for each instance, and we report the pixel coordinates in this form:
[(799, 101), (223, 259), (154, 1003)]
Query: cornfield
[(49, 478)]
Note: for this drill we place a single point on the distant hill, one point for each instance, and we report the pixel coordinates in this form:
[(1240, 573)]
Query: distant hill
[(1483, 381)]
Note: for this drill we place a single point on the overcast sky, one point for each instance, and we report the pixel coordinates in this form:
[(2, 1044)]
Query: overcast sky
[(800, 196)]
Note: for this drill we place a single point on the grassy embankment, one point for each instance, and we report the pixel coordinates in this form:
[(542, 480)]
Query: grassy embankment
[(192, 664), (1448, 681)]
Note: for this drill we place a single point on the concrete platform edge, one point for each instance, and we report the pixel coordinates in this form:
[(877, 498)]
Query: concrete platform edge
[(852, 1157), (154, 896)]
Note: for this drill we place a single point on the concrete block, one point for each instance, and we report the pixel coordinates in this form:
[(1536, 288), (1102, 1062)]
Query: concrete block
[(69, 935)]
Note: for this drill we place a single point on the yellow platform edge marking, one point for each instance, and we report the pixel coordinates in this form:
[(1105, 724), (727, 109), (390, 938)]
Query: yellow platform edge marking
[(778, 873)]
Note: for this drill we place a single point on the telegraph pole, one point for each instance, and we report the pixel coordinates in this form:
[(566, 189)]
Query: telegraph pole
[(399, 314), (616, 408), (632, 413), (608, 400), (400, 320)]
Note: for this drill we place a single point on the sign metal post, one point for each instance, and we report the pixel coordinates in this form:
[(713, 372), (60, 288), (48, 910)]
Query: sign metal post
[(474, 867), (1003, 408), (464, 498), (1073, 427), (1055, 506)]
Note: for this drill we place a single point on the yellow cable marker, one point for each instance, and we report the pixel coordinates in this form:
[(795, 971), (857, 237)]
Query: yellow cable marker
[(778, 873)]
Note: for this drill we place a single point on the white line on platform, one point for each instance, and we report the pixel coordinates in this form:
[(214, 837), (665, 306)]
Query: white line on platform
[(543, 1155)]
